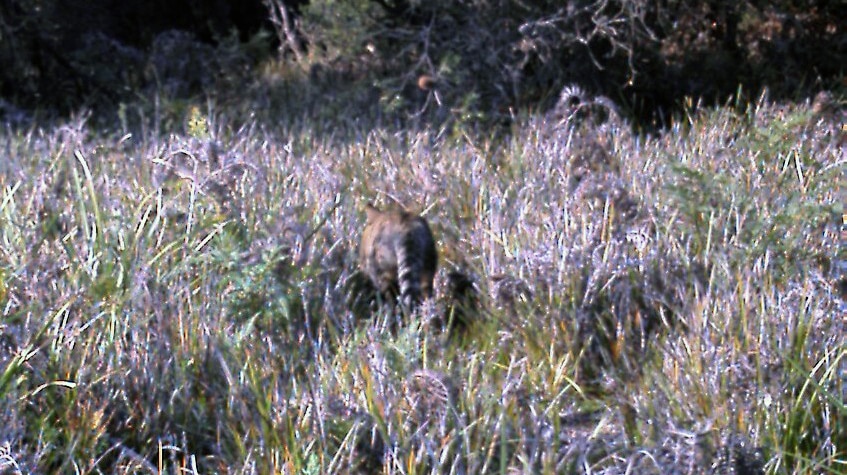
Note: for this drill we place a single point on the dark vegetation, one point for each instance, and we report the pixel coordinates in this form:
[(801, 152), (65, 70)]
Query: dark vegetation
[(485, 61)]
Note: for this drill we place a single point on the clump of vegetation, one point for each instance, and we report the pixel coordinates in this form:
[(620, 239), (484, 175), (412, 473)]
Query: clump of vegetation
[(190, 300)]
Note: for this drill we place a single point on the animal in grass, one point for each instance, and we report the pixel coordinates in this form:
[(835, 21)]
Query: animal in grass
[(398, 255)]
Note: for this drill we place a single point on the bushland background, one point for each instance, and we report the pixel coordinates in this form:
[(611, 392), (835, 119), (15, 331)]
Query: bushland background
[(489, 58), (636, 204)]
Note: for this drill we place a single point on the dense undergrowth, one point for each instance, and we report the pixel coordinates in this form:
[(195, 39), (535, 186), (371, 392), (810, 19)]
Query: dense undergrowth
[(182, 297)]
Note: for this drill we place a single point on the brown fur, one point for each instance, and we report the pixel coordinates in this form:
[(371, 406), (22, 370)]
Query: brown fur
[(397, 253)]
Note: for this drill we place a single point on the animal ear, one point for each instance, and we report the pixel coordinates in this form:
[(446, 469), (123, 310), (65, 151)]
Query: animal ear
[(372, 211)]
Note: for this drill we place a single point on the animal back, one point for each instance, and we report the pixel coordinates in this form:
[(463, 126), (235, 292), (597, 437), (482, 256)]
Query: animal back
[(397, 253)]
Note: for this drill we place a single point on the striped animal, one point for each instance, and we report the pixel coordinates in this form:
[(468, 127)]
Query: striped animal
[(397, 253)]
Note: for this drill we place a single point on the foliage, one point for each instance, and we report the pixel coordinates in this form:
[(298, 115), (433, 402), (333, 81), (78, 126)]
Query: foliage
[(186, 300), (477, 63)]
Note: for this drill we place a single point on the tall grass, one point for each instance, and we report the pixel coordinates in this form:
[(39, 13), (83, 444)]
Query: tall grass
[(185, 302)]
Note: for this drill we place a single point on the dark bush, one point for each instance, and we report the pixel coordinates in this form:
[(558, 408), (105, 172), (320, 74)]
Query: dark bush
[(444, 60), (63, 55), (492, 58)]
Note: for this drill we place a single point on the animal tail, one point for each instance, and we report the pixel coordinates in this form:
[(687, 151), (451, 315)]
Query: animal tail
[(409, 269)]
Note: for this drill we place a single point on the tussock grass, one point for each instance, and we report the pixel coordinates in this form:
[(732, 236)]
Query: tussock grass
[(187, 302)]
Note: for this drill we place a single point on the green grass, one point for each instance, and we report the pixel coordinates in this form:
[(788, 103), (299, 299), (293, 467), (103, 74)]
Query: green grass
[(180, 301)]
